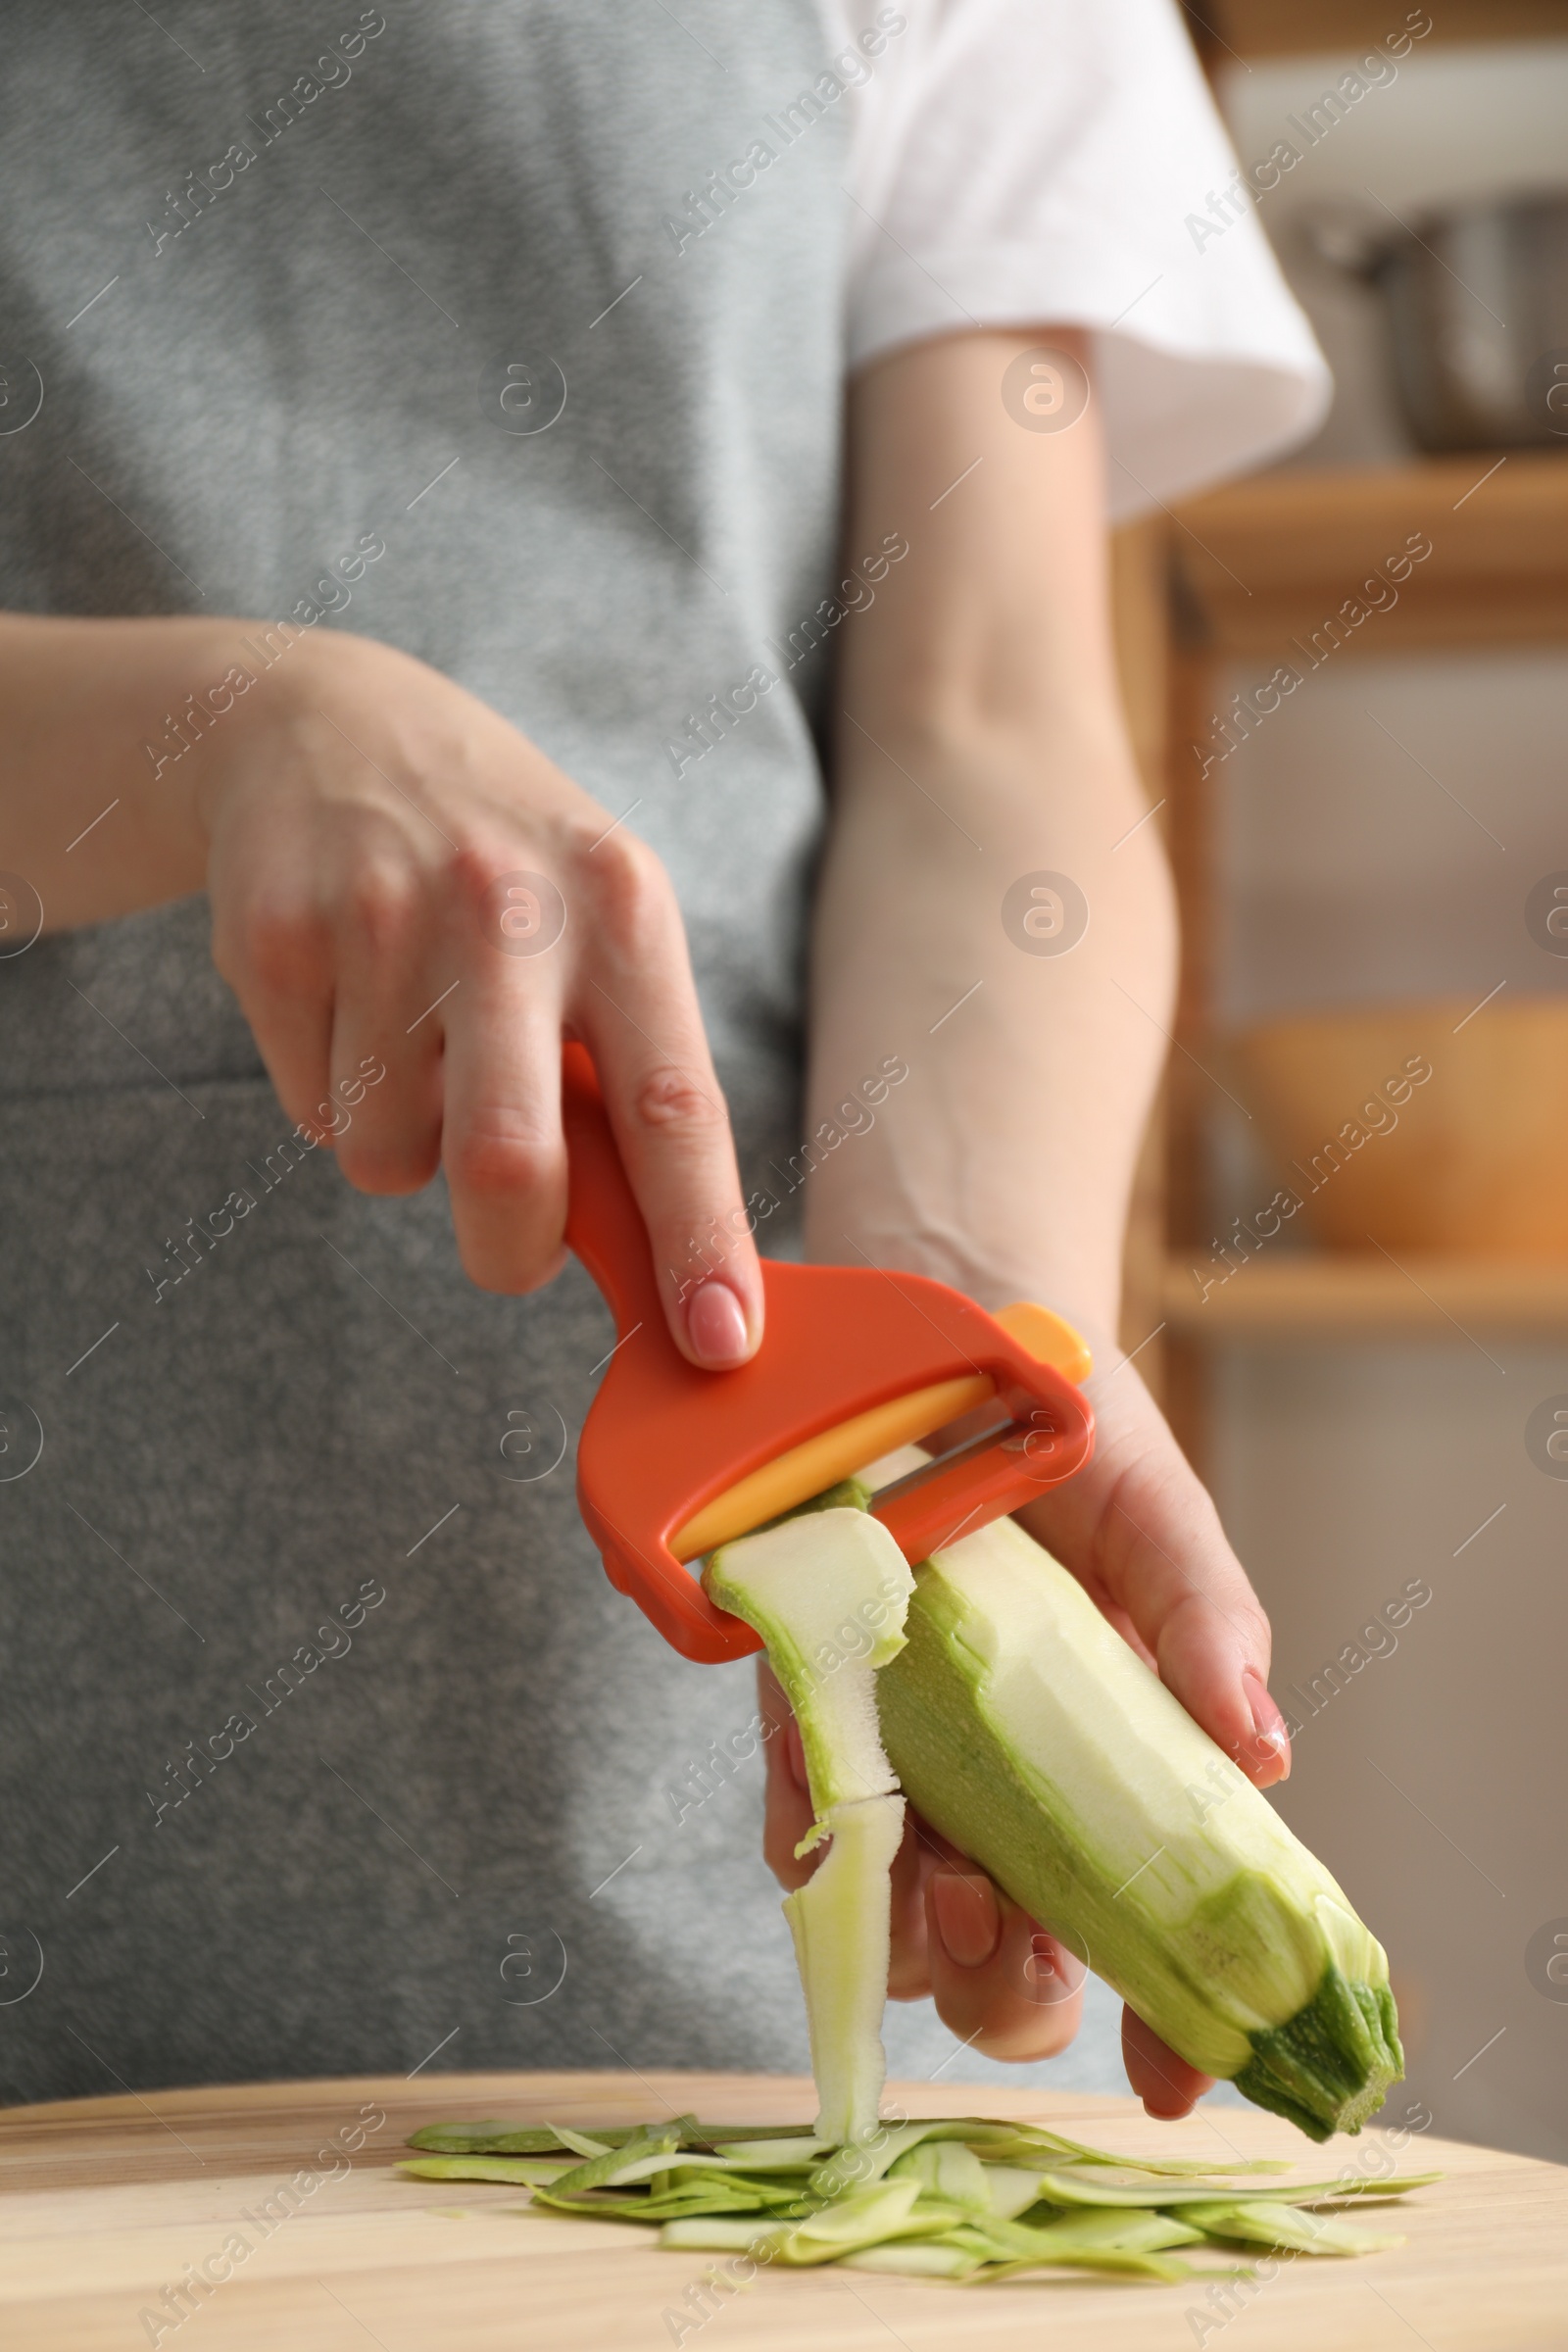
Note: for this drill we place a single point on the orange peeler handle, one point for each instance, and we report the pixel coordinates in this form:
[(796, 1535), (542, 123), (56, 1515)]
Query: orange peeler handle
[(604, 1229), (604, 1224), (673, 1460)]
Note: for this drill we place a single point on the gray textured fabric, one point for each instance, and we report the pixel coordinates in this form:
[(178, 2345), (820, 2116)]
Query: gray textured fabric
[(264, 389), (449, 1827), (408, 1843)]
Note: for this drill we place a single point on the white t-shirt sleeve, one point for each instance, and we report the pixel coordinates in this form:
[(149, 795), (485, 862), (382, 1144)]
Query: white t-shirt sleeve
[(1034, 161)]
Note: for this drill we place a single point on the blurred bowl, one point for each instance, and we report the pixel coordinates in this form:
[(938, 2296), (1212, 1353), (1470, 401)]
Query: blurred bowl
[(1476, 295), (1469, 1158)]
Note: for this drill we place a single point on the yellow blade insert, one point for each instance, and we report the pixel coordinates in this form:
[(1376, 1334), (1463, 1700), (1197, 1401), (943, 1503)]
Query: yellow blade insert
[(821, 1461)]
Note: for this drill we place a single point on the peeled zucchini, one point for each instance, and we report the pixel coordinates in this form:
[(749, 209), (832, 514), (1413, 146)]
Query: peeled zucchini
[(1024, 1729)]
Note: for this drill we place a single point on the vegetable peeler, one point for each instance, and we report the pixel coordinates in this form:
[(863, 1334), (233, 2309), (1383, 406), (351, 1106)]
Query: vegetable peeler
[(855, 1360)]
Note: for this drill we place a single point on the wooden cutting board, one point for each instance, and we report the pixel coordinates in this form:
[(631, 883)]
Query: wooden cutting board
[(105, 2203)]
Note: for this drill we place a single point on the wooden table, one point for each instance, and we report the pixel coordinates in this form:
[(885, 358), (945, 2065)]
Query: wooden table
[(105, 2202)]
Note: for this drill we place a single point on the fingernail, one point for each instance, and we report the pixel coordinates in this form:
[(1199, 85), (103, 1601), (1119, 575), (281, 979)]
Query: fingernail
[(794, 1749), (715, 1324), (1268, 1724), (968, 1916), (1051, 1972)]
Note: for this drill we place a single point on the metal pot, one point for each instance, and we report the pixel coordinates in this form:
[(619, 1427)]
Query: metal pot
[(1476, 295)]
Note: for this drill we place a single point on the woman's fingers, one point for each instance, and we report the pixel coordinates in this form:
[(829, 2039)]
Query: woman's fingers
[(910, 1962), (1004, 1984), (635, 1002), (1167, 2086), (502, 1144), (276, 950), (1169, 1564), (386, 1093), (387, 1033), (1141, 1533), (788, 1813)]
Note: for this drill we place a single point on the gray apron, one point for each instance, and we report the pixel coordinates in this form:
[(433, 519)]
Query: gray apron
[(325, 1744)]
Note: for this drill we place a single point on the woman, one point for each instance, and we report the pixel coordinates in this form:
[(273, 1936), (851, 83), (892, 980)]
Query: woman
[(430, 581)]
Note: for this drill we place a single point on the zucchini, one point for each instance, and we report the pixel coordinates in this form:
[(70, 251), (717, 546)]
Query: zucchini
[(1024, 1729)]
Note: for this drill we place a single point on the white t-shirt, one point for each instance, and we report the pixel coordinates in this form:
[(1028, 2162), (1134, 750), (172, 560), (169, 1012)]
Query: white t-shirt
[(1023, 162)]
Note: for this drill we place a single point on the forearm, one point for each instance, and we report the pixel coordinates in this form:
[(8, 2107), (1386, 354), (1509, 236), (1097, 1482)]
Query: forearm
[(97, 788), (1003, 1164), (979, 741)]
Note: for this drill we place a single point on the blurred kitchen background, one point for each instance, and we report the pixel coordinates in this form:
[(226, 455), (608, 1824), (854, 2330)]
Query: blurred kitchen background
[(1374, 867)]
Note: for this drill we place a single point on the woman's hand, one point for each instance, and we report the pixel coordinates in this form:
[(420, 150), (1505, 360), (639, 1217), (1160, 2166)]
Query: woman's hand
[(1142, 1536), (1141, 1533), (397, 876)]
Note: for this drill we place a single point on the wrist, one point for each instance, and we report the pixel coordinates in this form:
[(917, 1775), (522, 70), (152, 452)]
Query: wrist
[(281, 682), (1090, 1304)]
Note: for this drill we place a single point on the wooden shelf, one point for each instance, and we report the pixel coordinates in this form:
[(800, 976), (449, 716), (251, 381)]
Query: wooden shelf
[(1303, 1295), (1227, 29), (1240, 574), (1272, 559)]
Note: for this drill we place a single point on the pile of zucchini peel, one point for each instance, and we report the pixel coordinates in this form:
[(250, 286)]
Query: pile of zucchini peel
[(951, 2199)]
